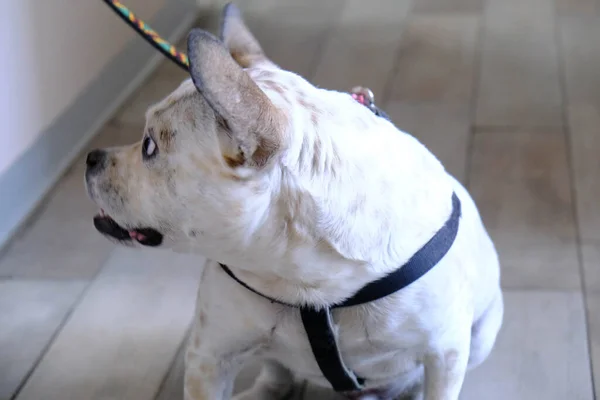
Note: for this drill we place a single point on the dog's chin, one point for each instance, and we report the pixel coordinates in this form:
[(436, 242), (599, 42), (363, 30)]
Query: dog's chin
[(111, 229)]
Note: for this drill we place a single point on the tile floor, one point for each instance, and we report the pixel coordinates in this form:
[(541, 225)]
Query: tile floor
[(505, 92)]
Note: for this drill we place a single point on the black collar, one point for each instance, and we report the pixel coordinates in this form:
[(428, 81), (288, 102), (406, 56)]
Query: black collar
[(318, 321)]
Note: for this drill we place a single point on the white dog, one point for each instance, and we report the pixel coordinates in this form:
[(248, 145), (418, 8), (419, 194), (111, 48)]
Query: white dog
[(306, 197)]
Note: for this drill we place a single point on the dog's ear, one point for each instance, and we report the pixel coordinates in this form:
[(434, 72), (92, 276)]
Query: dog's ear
[(238, 39), (255, 124)]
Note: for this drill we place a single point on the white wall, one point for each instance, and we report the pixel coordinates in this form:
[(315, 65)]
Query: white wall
[(51, 50)]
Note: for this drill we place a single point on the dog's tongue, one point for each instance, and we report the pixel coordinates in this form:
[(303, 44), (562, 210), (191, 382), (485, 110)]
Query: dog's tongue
[(135, 235), (147, 236)]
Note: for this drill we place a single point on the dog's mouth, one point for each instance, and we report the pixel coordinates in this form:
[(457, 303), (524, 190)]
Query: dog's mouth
[(109, 227)]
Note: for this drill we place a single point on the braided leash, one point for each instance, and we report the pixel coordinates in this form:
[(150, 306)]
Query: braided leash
[(150, 34), (361, 94)]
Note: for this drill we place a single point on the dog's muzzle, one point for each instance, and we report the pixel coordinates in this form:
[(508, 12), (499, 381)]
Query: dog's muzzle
[(96, 162)]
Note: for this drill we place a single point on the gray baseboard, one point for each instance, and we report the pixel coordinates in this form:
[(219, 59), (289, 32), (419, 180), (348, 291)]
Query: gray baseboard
[(27, 181)]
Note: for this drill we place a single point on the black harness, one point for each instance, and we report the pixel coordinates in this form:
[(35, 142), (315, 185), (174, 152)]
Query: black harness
[(318, 322)]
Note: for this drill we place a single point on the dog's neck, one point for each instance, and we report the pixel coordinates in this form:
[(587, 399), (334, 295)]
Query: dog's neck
[(351, 199), (338, 217)]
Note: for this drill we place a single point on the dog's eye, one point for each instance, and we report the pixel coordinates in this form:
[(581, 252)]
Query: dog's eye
[(148, 147)]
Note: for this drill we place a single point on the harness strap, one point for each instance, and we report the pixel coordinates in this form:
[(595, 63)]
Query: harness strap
[(318, 323), (417, 266), (235, 278)]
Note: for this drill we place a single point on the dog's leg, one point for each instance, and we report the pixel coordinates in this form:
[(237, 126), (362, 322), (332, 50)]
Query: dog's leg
[(445, 372), (207, 378), (275, 382), (213, 359), (485, 330)]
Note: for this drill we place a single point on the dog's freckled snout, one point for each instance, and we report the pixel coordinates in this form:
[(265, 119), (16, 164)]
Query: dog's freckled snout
[(95, 161)]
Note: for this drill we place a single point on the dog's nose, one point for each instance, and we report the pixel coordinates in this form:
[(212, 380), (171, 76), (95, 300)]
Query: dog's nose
[(95, 161)]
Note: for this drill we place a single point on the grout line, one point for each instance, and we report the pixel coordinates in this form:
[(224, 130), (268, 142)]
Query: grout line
[(32, 217), (475, 86), (325, 39), (172, 365), (57, 332), (568, 137)]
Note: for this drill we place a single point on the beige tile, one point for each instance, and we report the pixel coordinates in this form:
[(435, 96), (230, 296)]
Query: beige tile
[(167, 77), (292, 32), (519, 80), (541, 352), (437, 60), (584, 121), (362, 48), (30, 314), (169, 71), (448, 6), (593, 312), (120, 340), (577, 7), (590, 257), (520, 182), (60, 241), (443, 130), (581, 58), (209, 19), (114, 134), (153, 90), (172, 386)]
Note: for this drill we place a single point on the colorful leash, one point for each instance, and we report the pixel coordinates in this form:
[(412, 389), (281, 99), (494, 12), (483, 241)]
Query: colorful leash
[(361, 94), (150, 34)]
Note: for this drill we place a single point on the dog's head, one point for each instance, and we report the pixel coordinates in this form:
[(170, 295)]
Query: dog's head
[(246, 159), (203, 150)]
